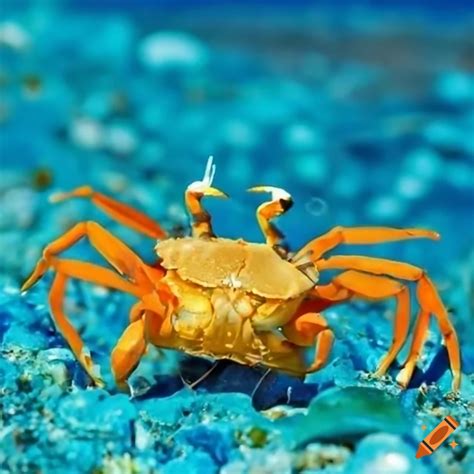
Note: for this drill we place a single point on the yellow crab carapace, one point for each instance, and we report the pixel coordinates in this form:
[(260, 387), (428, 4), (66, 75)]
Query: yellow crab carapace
[(253, 303)]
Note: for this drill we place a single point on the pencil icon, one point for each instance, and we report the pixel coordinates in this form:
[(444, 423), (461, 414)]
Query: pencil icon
[(434, 440)]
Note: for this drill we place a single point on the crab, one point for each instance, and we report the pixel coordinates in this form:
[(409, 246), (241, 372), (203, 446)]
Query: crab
[(253, 303)]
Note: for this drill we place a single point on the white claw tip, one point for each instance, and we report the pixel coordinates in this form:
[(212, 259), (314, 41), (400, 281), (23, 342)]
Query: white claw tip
[(210, 171), (208, 177)]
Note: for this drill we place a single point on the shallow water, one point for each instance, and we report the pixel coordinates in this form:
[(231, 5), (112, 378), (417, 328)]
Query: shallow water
[(364, 116)]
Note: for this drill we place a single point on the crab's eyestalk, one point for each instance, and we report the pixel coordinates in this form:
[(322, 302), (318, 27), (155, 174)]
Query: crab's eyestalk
[(201, 219), (280, 203)]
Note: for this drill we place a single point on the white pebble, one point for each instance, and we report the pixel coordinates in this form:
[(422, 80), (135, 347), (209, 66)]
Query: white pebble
[(175, 49), (385, 207), (120, 140), (87, 133), (300, 136), (14, 36), (411, 187)]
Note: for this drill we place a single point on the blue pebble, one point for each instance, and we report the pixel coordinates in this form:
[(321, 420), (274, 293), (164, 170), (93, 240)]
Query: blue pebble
[(217, 443), (388, 454), (25, 337)]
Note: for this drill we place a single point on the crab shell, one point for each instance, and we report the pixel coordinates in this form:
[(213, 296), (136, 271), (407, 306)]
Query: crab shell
[(233, 297), (250, 267)]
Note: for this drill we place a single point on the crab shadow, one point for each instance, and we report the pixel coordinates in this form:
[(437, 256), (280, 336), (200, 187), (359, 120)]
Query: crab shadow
[(266, 388)]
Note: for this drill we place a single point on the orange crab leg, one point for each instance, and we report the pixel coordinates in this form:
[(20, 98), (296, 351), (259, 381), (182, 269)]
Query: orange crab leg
[(115, 252), (136, 311), (430, 302), (421, 329), (132, 344), (122, 213), (93, 274), (127, 353), (360, 236), (280, 203), (308, 329), (149, 317), (56, 297), (356, 284), (378, 266), (427, 295), (143, 280)]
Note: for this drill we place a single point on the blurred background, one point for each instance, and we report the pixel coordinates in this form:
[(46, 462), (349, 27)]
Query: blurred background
[(364, 114), (363, 111)]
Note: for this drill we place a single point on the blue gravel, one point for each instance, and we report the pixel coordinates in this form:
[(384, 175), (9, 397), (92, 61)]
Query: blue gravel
[(366, 118)]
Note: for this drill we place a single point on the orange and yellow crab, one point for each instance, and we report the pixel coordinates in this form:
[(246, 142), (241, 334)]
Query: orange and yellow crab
[(231, 299)]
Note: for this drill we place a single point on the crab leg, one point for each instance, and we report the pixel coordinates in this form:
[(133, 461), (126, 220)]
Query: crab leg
[(430, 302), (56, 297), (127, 352), (160, 302), (132, 344), (143, 282), (427, 296), (280, 203), (149, 317), (356, 284), (308, 329), (93, 274), (360, 235), (122, 213), (421, 329), (115, 252)]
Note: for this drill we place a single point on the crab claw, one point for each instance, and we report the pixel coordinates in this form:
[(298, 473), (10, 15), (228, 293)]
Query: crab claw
[(200, 189), (204, 187), (260, 189), (210, 191), (277, 193), (280, 202)]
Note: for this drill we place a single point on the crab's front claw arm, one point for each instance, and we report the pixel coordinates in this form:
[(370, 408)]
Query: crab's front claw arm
[(311, 329), (201, 219), (280, 203)]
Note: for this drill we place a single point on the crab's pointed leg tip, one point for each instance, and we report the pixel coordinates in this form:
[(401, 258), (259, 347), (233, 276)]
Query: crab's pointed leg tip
[(402, 383), (26, 286), (431, 234)]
